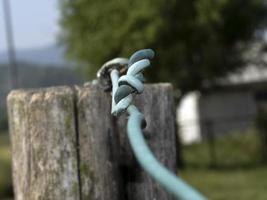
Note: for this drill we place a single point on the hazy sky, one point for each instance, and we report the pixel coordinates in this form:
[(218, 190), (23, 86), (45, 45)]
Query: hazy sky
[(35, 23)]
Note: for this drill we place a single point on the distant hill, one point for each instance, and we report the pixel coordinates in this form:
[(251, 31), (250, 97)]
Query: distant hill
[(33, 76), (50, 55)]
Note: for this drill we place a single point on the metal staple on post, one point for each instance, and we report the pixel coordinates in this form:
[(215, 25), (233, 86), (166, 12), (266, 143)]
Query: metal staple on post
[(123, 89)]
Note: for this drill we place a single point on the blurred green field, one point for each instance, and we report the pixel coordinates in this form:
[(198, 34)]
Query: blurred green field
[(5, 168), (238, 184), (240, 174), (239, 150)]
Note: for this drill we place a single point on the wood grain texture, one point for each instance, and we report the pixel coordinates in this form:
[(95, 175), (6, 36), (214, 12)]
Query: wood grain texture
[(157, 105), (44, 154), (66, 144), (100, 176)]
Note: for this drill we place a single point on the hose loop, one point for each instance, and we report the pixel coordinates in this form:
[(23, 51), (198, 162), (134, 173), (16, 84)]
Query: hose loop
[(133, 81)]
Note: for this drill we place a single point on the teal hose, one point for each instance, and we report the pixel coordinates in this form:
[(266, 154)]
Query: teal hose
[(123, 89), (151, 165)]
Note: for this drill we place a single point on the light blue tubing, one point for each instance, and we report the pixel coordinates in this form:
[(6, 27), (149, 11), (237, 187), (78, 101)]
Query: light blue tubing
[(123, 89)]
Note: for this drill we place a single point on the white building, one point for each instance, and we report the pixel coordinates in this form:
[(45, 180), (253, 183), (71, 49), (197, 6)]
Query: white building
[(230, 107)]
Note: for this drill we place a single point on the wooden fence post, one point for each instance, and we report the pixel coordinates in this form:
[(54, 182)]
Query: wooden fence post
[(66, 145), (43, 137)]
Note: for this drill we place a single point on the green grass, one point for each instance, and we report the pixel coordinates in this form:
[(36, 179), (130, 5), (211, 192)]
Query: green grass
[(241, 184), (240, 173), (233, 151), (5, 167)]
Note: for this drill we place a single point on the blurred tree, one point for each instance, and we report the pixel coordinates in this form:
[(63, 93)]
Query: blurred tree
[(195, 41)]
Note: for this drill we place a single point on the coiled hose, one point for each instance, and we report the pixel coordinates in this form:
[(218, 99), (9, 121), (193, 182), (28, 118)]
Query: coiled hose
[(123, 89)]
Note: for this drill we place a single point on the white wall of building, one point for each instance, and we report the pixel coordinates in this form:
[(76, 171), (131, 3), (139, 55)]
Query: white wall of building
[(188, 120), (228, 111)]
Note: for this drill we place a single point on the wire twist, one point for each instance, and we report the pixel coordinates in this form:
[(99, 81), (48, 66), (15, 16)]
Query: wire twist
[(133, 81)]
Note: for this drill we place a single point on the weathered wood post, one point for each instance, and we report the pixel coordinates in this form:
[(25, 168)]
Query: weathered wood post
[(66, 145), (44, 145)]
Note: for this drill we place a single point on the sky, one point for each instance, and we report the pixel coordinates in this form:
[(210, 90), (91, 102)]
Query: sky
[(35, 23)]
